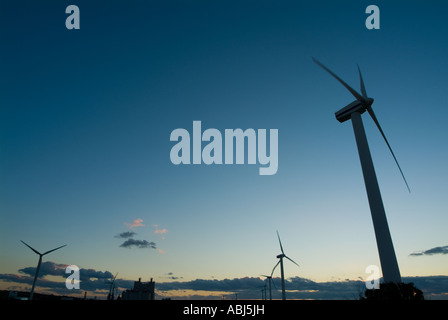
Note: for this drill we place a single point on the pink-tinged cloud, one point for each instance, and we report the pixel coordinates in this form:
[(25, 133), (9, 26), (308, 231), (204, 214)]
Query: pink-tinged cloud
[(161, 251), (160, 231), (135, 223)]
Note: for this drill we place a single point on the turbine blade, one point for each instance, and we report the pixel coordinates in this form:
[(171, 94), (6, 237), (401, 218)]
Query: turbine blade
[(31, 247), (352, 91), (281, 248), (372, 114), (54, 249), (292, 261), (363, 88), (275, 267)]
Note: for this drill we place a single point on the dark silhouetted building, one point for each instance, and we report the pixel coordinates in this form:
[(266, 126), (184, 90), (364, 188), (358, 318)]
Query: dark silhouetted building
[(141, 291)]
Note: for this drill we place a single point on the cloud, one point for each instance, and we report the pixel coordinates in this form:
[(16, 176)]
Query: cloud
[(125, 235), (215, 285), (9, 277), (131, 242), (91, 280), (50, 268), (138, 243), (160, 231), (97, 283), (135, 223), (92, 273), (432, 251), (171, 276), (433, 287), (46, 268)]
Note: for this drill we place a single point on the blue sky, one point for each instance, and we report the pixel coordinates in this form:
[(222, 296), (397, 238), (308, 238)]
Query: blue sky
[(86, 117)]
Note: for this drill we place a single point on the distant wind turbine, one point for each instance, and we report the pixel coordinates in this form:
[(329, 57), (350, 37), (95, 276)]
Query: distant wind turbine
[(110, 295), (353, 111), (269, 278), (280, 257), (38, 265), (263, 292)]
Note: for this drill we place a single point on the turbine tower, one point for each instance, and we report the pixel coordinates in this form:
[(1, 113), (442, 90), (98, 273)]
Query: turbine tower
[(353, 111), (280, 257), (38, 265)]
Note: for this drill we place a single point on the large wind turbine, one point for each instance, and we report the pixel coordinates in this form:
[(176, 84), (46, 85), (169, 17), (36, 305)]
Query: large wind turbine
[(353, 111), (280, 257), (38, 265)]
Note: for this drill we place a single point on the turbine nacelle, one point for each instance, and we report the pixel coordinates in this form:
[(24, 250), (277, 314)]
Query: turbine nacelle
[(360, 105), (356, 106), (346, 113)]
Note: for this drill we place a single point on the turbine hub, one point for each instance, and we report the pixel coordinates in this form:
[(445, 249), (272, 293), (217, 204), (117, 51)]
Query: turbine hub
[(369, 101)]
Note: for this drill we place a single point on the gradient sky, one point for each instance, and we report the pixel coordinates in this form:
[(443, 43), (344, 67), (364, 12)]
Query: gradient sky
[(86, 117)]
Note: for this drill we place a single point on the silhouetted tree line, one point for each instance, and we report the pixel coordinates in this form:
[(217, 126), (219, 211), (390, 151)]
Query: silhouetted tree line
[(393, 291)]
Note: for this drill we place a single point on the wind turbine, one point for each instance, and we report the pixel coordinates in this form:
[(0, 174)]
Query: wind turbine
[(110, 296), (353, 111), (269, 278), (263, 292), (38, 265), (280, 257)]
